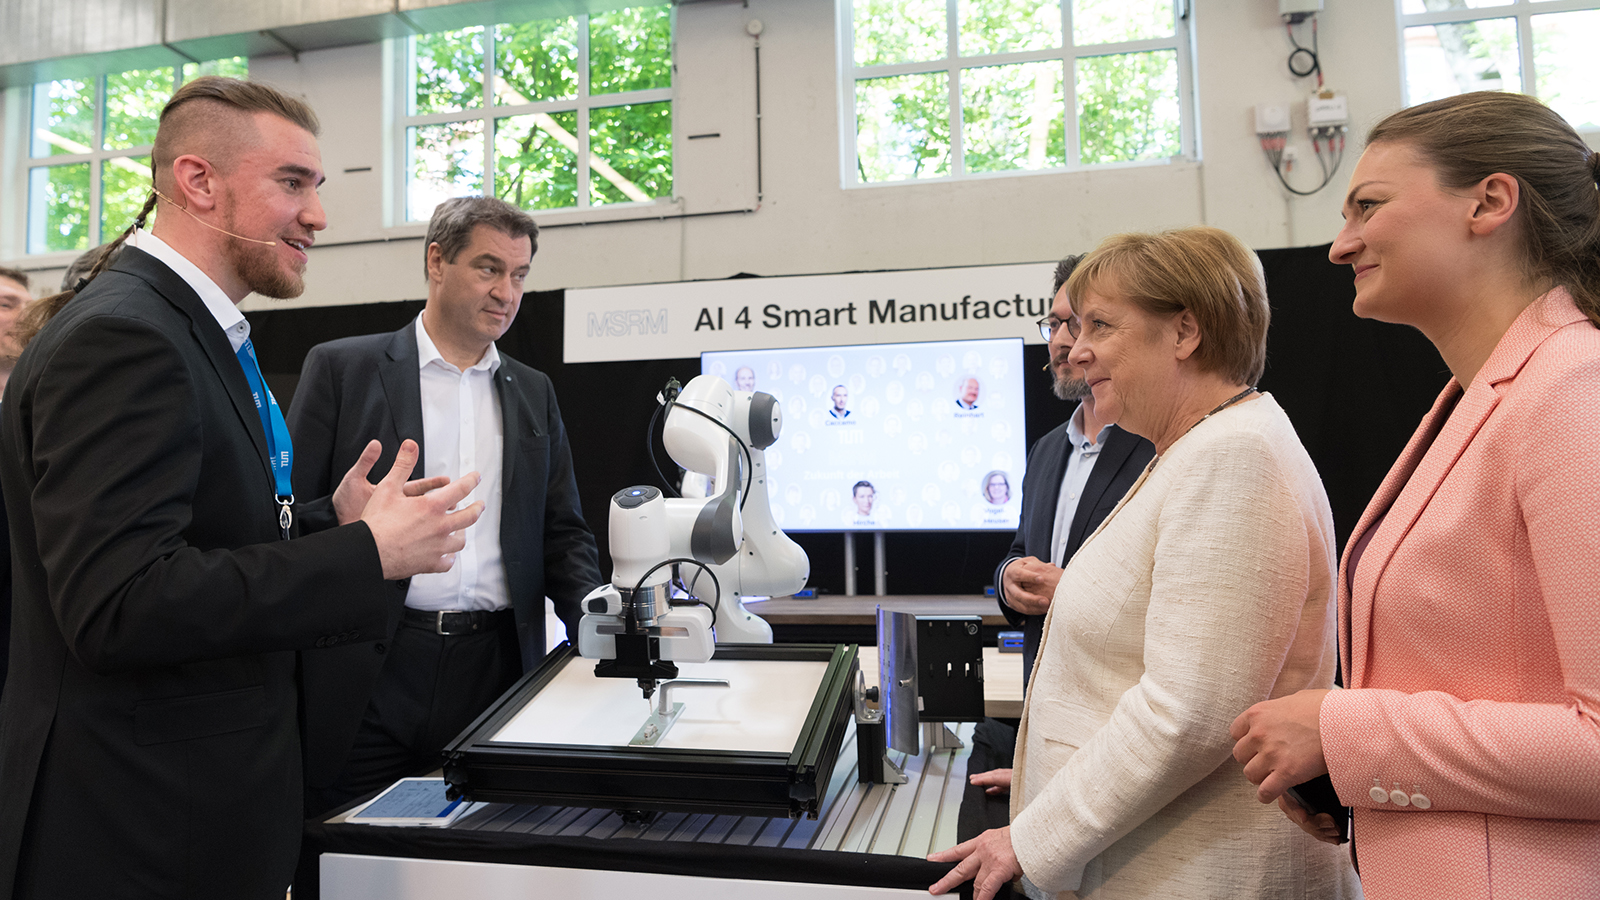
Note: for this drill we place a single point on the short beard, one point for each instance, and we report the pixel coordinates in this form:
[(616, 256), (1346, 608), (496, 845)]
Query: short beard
[(259, 270), (258, 266), (1069, 386)]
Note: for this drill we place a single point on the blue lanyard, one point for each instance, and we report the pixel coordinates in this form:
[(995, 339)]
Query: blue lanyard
[(279, 448)]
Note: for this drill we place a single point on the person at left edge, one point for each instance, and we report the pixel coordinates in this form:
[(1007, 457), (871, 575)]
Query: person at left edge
[(149, 736), (14, 296), (382, 710)]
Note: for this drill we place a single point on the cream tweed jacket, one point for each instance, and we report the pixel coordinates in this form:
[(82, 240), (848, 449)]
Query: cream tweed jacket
[(1208, 589)]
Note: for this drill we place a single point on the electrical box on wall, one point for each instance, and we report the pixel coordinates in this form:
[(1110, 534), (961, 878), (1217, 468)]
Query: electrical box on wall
[(1326, 109), (1272, 118), (1297, 10)]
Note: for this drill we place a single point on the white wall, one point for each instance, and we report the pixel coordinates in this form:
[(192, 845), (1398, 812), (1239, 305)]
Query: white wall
[(806, 222)]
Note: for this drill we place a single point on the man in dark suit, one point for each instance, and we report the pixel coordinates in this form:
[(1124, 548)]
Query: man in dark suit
[(149, 743), (383, 709), (1076, 475)]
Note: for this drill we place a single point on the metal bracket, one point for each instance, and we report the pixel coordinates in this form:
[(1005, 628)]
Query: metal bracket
[(938, 736), (677, 683), (655, 727), (665, 713), (893, 774)]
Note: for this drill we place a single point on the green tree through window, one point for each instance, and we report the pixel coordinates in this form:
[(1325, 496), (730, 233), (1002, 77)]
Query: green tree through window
[(1456, 46), (579, 112), (89, 151), (995, 96)]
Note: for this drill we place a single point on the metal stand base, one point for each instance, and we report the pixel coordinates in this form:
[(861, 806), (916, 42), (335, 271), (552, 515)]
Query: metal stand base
[(938, 736), (892, 774), (879, 568), (849, 563)]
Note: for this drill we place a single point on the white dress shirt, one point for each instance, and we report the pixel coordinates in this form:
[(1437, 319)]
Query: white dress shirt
[(462, 432), (233, 322), (1080, 462)]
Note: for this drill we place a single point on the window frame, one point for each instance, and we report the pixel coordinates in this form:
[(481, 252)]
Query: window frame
[(23, 124), (399, 63), (1181, 41), (1522, 11), (97, 157)]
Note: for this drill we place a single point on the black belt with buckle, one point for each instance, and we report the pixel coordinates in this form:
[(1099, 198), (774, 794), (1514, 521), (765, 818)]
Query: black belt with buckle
[(460, 621)]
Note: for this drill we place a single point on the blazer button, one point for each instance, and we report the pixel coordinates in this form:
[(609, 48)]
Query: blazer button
[(1421, 801), (379, 648), (1399, 797), (1378, 794)]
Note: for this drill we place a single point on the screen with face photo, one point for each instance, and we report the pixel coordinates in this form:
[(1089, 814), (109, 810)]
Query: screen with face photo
[(924, 436)]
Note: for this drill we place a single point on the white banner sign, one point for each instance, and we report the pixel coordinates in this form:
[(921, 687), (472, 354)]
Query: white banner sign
[(681, 319)]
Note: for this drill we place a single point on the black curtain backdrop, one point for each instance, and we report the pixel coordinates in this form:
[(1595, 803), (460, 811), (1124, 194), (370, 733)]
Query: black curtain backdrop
[(1355, 390)]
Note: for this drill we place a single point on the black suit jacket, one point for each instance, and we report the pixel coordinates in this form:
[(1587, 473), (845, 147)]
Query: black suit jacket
[(1121, 460), (148, 733), (357, 389)]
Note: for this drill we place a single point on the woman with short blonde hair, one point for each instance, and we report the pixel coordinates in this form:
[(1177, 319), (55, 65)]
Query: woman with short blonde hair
[(1208, 589)]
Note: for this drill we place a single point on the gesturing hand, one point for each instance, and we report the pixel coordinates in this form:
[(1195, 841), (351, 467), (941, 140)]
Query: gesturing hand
[(417, 534), (354, 490), (1280, 742), (987, 860)]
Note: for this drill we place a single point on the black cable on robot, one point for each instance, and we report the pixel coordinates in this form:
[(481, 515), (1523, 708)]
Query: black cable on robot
[(715, 584)]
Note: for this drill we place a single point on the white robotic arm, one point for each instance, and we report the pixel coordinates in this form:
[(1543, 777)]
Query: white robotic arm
[(629, 625), (768, 562)]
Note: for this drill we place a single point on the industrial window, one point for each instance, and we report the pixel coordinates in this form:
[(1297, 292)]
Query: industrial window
[(565, 113), (953, 88), (89, 151), (1546, 49)]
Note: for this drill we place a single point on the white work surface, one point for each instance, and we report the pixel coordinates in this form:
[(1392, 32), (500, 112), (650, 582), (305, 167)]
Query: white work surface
[(383, 878), (762, 709), (912, 819)]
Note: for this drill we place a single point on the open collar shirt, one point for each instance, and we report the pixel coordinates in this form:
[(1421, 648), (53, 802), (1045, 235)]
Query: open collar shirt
[(1080, 463), (226, 312), (462, 431)]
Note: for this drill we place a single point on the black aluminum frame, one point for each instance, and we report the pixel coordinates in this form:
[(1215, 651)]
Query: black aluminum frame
[(659, 778)]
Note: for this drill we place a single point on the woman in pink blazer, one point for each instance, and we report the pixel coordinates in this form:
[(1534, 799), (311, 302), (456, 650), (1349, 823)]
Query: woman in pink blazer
[(1468, 740)]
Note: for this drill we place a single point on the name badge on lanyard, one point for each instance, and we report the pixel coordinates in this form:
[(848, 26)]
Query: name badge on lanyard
[(280, 451)]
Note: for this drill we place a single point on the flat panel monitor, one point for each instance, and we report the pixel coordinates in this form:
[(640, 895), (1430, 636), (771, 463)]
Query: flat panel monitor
[(925, 436)]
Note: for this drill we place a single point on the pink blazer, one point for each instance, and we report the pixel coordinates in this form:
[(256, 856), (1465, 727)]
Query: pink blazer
[(1470, 634)]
